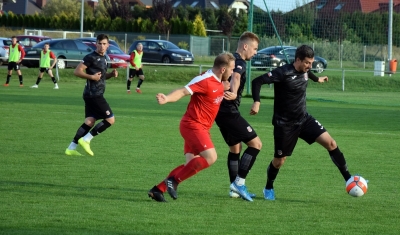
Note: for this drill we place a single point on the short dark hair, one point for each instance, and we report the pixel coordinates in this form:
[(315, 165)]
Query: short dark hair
[(304, 51), (102, 37), (13, 37)]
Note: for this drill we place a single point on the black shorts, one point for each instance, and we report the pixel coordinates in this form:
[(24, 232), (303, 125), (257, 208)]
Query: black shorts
[(13, 65), (134, 72), (97, 107), (234, 128), (42, 70), (287, 134)]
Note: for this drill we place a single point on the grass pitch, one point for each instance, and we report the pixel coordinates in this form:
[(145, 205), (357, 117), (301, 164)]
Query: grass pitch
[(42, 191)]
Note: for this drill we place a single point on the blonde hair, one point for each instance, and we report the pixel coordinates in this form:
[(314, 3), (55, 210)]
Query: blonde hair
[(223, 60), (247, 36)]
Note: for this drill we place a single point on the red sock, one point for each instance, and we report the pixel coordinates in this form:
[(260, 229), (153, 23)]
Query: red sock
[(195, 165), (161, 186)]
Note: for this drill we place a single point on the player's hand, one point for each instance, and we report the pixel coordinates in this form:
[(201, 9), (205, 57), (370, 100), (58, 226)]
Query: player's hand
[(322, 79), (229, 95), (161, 98), (255, 108), (96, 76), (114, 73)]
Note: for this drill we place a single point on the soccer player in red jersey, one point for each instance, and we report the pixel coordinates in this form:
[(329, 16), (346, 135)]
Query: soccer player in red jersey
[(16, 55), (207, 91)]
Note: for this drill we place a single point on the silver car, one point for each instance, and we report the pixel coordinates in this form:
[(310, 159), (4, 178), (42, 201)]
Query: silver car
[(4, 50)]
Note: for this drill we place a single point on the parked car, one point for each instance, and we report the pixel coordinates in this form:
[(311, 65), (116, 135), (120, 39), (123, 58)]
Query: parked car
[(63, 49), (117, 57), (31, 40), (275, 57), (161, 51), (90, 39), (4, 50)]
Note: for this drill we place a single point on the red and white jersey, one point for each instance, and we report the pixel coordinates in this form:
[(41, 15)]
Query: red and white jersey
[(207, 93)]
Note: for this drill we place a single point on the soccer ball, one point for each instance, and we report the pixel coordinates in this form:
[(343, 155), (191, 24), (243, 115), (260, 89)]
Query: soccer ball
[(356, 186)]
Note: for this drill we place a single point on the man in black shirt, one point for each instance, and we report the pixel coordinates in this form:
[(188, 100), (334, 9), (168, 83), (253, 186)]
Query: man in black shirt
[(290, 119), (96, 106), (234, 128)]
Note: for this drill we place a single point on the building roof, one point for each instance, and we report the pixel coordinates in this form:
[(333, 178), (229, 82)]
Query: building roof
[(22, 7), (365, 6)]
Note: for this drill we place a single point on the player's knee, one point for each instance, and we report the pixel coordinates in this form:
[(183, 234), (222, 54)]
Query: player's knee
[(331, 145), (111, 120), (278, 162)]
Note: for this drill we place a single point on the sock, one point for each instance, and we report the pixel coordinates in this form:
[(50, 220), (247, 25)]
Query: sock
[(38, 80), (338, 158), (193, 167), (82, 130), (139, 83), (8, 79), (247, 161), (100, 127), (239, 181), (161, 186), (20, 80), (128, 85), (54, 80), (272, 172), (88, 137), (72, 146), (233, 165)]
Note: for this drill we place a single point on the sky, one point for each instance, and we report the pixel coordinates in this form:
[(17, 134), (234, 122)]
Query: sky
[(282, 5)]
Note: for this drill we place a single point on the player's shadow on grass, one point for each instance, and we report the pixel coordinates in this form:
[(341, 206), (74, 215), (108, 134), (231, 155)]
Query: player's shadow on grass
[(110, 193)]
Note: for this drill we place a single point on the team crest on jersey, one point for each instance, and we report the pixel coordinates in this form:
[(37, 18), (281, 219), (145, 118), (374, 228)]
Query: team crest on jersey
[(306, 76), (269, 74), (107, 112), (249, 129), (239, 67), (279, 152)]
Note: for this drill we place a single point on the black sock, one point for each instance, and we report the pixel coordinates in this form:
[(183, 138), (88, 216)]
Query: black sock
[(20, 80), (128, 85), (272, 172), (8, 79), (338, 158), (38, 80), (246, 162), (82, 131), (233, 165), (100, 127), (54, 80), (139, 83)]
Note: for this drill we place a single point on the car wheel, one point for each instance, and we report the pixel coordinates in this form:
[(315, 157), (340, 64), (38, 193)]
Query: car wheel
[(281, 63), (166, 60), (319, 67), (61, 63)]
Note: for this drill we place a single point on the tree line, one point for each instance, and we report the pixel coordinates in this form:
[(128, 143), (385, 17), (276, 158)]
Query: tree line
[(303, 24)]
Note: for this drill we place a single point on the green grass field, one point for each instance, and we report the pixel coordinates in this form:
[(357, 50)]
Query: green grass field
[(42, 191)]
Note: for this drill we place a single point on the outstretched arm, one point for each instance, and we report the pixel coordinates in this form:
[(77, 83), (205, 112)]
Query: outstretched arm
[(173, 96)]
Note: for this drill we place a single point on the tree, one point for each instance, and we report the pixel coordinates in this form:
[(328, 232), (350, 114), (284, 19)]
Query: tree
[(225, 23), (162, 14), (198, 27), (116, 8), (56, 7)]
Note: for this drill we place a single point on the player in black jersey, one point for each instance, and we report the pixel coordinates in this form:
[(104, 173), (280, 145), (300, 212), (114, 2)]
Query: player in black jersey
[(234, 128), (96, 106), (290, 119)]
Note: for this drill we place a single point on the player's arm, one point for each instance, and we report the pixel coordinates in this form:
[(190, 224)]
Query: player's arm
[(54, 59), (22, 53), (80, 72), (322, 79), (173, 96), (256, 85), (113, 74)]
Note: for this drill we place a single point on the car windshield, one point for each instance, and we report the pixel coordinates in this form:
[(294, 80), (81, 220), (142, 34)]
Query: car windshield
[(114, 50), (40, 44), (168, 45), (7, 42)]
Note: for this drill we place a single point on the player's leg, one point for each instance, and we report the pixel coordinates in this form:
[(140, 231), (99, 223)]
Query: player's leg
[(21, 80), (140, 74), (129, 81), (10, 67), (52, 77)]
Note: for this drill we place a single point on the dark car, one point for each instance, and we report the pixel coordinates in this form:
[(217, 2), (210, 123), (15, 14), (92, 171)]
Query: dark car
[(63, 49), (89, 39), (117, 57), (161, 51), (275, 57), (31, 40)]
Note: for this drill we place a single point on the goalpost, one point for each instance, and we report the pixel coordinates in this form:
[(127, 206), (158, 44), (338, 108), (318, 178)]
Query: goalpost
[(57, 34)]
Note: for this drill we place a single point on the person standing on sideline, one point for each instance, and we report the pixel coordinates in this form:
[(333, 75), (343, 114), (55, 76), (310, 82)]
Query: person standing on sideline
[(207, 91), (290, 119), (233, 127), (96, 106), (45, 56), (135, 68), (16, 55)]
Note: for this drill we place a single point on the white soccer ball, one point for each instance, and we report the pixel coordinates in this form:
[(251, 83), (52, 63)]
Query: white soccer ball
[(356, 186)]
